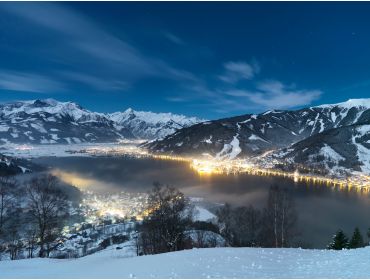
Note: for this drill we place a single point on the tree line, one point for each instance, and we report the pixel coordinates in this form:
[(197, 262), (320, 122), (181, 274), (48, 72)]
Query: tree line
[(170, 219), (273, 226), (31, 215), (340, 241)]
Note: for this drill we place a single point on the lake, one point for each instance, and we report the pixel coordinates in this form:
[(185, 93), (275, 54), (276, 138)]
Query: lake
[(322, 209)]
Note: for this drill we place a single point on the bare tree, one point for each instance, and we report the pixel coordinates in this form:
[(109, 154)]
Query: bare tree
[(31, 239), (13, 236), (47, 205), (240, 226), (163, 230), (225, 218), (279, 218), (8, 201)]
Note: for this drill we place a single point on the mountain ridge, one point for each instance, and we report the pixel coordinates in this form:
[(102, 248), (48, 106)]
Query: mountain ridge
[(49, 121), (255, 134)]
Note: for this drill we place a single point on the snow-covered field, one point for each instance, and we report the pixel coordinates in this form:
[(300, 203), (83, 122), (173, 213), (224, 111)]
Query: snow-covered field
[(200, 263)]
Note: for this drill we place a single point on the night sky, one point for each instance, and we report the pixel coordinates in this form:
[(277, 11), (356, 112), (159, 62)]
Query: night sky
[(205, 59)]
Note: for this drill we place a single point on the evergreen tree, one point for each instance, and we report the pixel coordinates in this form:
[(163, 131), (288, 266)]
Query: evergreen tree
[(340, 241), (356, 241)]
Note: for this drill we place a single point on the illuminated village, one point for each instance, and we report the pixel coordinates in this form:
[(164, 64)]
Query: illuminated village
[(257, 166)]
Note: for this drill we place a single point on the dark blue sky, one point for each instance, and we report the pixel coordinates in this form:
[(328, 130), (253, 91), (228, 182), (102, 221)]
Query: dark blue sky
[(197, 58)]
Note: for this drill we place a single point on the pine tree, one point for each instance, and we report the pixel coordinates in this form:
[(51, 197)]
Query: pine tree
[(340, 241), (356, 241)]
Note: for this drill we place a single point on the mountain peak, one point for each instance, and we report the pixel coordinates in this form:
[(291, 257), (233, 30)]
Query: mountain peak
[(360, 102), (129, 111)]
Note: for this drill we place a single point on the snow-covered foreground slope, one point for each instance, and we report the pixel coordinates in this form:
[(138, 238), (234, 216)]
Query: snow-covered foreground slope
[(200, 263)]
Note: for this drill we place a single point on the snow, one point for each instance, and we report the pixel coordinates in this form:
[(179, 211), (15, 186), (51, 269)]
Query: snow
[(254, 137), (38, 127), (54, 136), (363, 155), (361, 102), (151, 117), (148, 124), (330, 154), (235, 150), (49, 106), (209, 140), (203, 214), (200, 263), (4, 128), (322, 128), (231, 150), (145, 125), (333, 116), (363, 129)]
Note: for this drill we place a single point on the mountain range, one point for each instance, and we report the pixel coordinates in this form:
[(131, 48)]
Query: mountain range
[(334, 137), (327, 136), (49, 121)]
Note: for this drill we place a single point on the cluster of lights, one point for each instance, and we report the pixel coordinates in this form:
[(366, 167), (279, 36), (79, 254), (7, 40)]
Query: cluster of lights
[(211, 166), (117, 150), (117, 206), (208, 167), (24, 148)]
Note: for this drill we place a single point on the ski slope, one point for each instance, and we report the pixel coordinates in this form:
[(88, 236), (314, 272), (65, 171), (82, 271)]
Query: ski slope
[(200, 263)]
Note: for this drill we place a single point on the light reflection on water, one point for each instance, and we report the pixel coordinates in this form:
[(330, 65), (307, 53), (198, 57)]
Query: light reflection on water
[(322, 209)]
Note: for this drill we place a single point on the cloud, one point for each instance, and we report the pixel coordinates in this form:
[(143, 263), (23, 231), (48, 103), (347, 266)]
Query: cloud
[(95, 82), (274, 94), (173, 38), (28, 82), (84, 44), (176, 99), (237, 71)]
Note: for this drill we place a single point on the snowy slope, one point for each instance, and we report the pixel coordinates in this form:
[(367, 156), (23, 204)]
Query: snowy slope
[(49, 121), (200, 263), (254, 134), (342, 148)]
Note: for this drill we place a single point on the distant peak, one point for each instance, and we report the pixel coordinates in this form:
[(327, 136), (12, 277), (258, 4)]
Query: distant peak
[(360, 102), (43, 102), (129, 111)]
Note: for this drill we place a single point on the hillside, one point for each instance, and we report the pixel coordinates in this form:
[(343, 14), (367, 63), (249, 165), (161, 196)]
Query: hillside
[(336, 150), (200, 263), (13, 166), (254, 134)]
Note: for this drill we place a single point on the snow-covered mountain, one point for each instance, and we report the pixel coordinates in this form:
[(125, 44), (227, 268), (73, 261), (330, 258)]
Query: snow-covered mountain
[(254, 134), (148, 125), (49, 121), (337, 150)]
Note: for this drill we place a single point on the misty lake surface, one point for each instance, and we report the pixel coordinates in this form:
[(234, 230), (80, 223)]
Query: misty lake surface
[(322, 210)]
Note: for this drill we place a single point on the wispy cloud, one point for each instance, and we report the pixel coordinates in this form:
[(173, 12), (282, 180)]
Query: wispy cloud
[(176, 99), (95, 82), (274, 94), (91, 47), (173, 38), (28, 82), (268, 94), (236, 71)]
